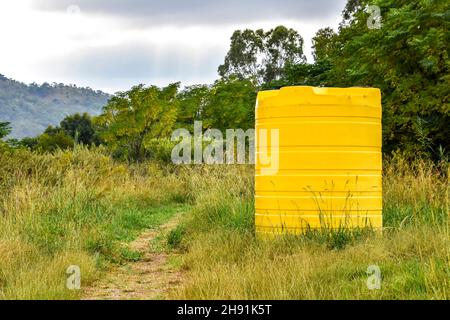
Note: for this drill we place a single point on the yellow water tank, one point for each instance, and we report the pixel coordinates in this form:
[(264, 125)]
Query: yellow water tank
[(318, 159)]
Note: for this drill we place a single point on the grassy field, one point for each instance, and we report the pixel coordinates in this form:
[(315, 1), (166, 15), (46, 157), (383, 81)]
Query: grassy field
[(74, 208), (77, 208), (226, 261)]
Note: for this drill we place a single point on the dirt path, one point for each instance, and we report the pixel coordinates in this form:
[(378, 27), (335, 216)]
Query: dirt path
[(149, 278)]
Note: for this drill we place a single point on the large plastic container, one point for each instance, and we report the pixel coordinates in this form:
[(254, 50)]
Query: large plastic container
[(329, 168)]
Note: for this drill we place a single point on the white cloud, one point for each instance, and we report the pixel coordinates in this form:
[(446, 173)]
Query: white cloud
[(200, 12), (107, 46)]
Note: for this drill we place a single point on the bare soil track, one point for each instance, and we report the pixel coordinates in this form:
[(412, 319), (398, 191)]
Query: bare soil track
[(150, 278)]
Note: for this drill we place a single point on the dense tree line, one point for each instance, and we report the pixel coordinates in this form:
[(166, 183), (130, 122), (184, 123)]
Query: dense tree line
[(135, 123), (407, 58)]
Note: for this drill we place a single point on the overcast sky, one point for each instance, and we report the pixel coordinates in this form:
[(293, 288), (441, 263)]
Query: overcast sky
[(114, 44)]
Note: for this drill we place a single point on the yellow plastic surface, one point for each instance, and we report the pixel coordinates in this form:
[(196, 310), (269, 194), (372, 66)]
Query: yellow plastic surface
[(330, 165)]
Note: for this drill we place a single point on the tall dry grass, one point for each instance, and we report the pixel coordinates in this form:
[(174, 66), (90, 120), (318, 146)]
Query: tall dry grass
[(74, 208), (225, 261), (77, 207)]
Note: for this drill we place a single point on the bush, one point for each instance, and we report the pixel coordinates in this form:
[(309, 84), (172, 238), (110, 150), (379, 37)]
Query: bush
[(160, 150), (175, 238)]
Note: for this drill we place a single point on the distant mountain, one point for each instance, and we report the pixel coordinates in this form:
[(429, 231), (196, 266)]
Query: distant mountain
[(32, 108)]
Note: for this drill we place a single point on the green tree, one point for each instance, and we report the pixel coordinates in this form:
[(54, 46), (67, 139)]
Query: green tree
[(324, 44), (408, 59), (134, 118), (243, 57), (80, 128), (351, 9), (53, 139), (282, 46), (5, 129), (260, 55), (231, 105), (29, 142), (192, 103), (305, 74)]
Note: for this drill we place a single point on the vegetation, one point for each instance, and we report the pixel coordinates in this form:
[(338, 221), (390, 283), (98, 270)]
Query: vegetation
[(32, 108), (407, 58), (260, 55), (226, 261), (81, 129), (78, 207), (132, 118), (74, 194), (5, 129), (75, 208), (74, 129)]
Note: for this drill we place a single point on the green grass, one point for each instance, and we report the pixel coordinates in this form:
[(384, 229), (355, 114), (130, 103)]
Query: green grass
[(128, 223), (78, 208), (227, 261), (74, 208), (175, 238)]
